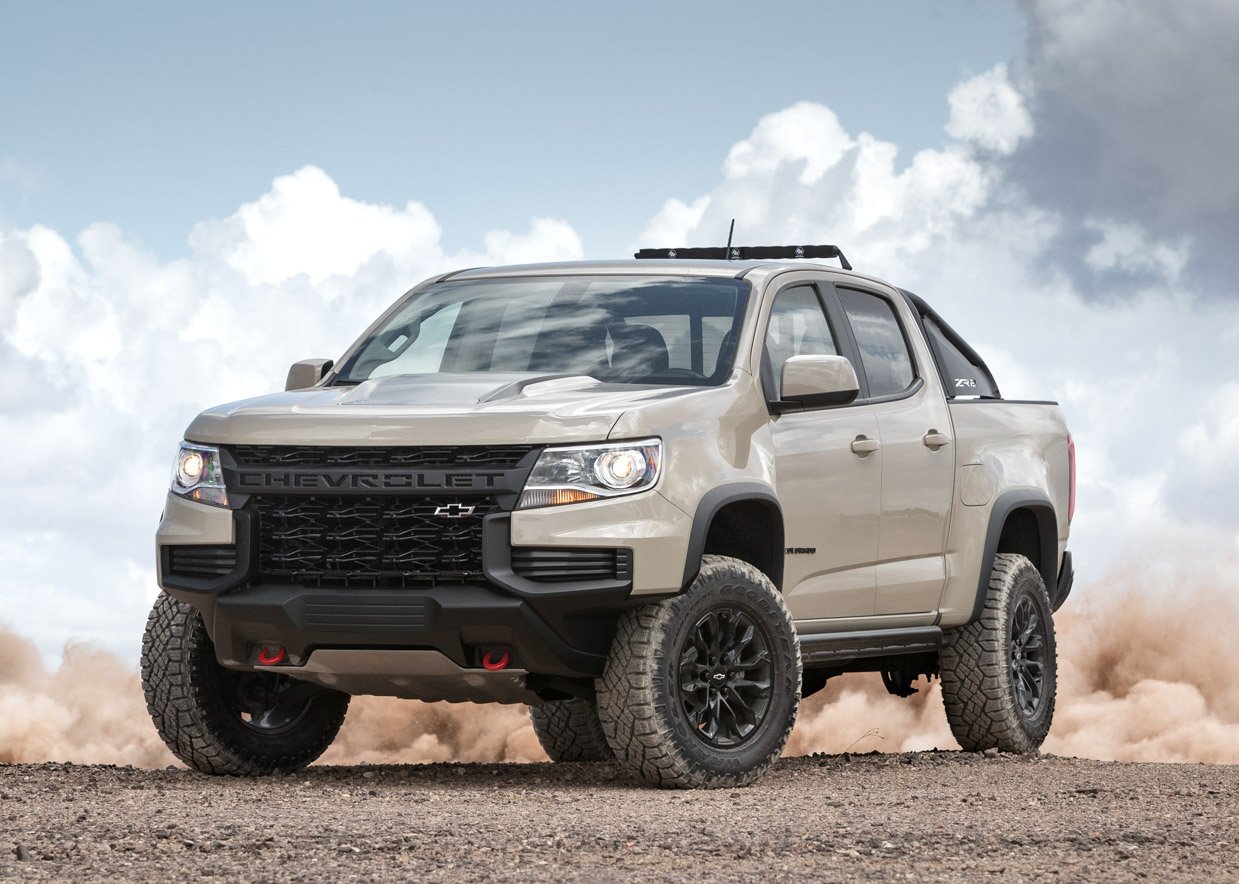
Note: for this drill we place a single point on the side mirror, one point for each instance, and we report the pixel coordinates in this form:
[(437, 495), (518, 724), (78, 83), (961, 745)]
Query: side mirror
[(307, 373), (817, 381)]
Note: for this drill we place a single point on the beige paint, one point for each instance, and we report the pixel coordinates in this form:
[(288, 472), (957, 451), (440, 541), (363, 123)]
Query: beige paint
[(186, 521), (1015, 446), (651, 525), (814, 375), (976, 485)]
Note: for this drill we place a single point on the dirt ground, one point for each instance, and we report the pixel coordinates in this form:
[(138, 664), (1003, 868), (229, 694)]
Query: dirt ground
[(924, 816)]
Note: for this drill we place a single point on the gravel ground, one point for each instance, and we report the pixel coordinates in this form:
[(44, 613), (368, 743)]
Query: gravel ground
[(923, 816)]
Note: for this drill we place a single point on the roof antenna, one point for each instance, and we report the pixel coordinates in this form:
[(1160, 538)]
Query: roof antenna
[(730, 231)]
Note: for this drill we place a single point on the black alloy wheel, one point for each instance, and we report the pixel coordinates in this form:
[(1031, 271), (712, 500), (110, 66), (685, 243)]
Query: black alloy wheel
[(701, 689), (725, 677), (266, 702), (1028, 644)]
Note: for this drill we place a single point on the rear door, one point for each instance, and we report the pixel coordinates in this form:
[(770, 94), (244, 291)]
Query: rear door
[(902, 391), (829, 479)]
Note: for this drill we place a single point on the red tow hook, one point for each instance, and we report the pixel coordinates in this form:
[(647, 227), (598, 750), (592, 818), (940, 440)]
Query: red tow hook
[(271, 655), (493, 661)]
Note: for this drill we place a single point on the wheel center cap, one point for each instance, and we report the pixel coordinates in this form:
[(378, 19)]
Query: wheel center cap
[(719, 677)]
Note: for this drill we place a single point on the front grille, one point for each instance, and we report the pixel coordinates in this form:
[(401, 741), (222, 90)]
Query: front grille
[(555, 565), (201, 561), (497, 456), (390, 541)]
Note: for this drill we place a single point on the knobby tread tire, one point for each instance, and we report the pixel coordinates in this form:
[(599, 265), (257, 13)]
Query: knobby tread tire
[(569, 730), (177, 656), (635, 704), (977, 689)]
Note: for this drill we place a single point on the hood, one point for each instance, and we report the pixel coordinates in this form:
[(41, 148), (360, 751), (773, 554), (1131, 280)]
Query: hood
[(431, 409)]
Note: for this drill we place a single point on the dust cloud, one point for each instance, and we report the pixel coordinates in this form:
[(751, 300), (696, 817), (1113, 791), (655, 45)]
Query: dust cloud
[(89, 711), (1144, 676)]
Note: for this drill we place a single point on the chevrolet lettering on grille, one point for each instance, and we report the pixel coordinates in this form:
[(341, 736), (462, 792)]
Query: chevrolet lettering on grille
[(293, 480)]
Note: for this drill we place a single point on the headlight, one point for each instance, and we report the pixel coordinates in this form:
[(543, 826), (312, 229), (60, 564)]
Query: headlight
[(198, 474), (591, 472)]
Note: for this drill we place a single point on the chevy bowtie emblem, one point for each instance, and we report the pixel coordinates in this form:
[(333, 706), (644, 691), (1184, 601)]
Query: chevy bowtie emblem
[(454, 511)]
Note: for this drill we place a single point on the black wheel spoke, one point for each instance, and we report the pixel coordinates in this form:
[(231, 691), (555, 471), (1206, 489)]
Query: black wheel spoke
[(1027, 653), (267, 702), (758, 659), (725, 677)]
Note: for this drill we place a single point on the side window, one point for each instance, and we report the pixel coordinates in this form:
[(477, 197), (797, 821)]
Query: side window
[(883, 348), (797, 327), (963, 376)]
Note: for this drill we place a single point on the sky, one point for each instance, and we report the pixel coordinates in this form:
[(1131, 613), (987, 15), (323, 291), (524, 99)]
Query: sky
[(191, 199)]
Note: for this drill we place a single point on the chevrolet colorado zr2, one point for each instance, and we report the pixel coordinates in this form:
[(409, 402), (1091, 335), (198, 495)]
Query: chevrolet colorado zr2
[(659, 501)]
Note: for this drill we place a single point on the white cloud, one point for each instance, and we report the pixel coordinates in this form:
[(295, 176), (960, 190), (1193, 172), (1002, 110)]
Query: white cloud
[(303, 225), (806, 135), (548, 239), (671, 225), (20, 278), (988, 111)]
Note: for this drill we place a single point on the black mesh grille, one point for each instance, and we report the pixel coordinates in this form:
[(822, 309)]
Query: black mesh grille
[(201, 561), (388, 541), (498, 456), (553, 565)]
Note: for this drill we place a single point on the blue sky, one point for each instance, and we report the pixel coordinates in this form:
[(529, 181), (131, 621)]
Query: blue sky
[(192, 197), (154, 116)]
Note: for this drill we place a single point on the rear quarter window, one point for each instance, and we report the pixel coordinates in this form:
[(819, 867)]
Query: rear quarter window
[(962, 376)]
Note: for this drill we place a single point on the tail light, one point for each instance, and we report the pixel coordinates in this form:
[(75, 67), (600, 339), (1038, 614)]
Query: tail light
[(1071, 469)]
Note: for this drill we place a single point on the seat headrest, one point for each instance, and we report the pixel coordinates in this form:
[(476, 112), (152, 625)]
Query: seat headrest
[(639, 350)]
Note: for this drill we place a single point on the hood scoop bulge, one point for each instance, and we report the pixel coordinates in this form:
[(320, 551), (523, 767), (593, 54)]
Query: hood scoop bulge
[(459, 389)]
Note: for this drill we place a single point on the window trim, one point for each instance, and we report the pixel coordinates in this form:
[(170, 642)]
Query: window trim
[(918, 376)]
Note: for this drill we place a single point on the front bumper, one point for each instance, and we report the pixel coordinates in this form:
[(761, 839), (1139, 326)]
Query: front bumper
[(557, 629), (463, 623)]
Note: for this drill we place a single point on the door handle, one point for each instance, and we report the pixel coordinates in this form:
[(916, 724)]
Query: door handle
[(864, 446), (934, 440)]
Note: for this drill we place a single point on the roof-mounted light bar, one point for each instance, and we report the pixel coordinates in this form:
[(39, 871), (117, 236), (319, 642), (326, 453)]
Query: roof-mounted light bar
[(747, 253)]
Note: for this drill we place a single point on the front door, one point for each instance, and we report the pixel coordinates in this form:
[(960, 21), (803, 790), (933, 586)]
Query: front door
[(829, 471)]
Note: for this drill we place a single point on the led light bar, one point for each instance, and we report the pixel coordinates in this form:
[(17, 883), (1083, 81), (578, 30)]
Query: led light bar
[(746, 253)]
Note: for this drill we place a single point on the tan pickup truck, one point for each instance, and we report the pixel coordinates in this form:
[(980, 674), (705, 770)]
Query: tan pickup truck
[(657, 500)]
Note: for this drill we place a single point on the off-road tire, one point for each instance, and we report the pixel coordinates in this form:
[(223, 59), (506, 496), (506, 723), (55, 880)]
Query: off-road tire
[(978, 678), (181, 679), (569, 730), (640, 703)]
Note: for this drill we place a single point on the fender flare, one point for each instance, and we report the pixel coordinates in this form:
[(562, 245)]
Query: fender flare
[(1047, 533), (710, 505)]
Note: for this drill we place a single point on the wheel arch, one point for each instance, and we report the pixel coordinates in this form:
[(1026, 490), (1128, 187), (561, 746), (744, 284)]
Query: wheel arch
[(1021, 522), (719, 515)]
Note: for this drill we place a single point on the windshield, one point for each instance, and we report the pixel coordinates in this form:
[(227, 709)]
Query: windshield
[(617, 329)]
